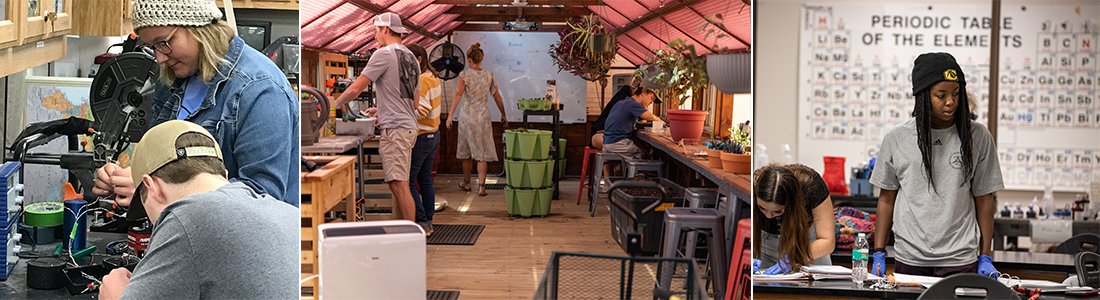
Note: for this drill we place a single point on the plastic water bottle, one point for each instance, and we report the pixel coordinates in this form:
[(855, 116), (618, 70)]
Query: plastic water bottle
[(859, 260)]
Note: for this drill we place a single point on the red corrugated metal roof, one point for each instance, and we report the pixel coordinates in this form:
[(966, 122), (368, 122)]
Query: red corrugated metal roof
[(340, 26)]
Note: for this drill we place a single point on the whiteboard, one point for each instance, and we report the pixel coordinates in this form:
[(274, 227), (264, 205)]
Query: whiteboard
[(855, 61), (522, 66)]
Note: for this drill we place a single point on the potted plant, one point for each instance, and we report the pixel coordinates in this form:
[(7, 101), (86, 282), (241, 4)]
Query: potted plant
[(682, 74), (728, 71), (585, 49), (714, 152), (735, 156)]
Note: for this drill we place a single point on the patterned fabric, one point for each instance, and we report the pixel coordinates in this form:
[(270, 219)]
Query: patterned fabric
[(174, 13), (850, 222), (475, 131)]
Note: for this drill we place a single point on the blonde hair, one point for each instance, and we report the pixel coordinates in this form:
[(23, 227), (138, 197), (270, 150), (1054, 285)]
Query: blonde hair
[(214, 39), (475, 53)]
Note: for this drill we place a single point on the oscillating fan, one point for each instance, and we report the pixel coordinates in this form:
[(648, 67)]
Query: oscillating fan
[(448, 59)]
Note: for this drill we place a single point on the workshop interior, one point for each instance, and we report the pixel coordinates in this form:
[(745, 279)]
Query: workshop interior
[(77, 90)]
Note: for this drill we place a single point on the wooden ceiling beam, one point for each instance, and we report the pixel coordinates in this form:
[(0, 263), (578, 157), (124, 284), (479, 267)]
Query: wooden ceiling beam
[(380, 10), (512, 18), (514, 11), (497, 27), (653, 15), (730, 34), (529, 2)]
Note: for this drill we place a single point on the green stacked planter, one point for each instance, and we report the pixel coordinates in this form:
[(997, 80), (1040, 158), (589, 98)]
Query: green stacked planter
[(529, 169)]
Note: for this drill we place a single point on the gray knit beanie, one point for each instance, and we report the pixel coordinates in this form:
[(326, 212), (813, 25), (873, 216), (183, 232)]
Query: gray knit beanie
[(174, 13)]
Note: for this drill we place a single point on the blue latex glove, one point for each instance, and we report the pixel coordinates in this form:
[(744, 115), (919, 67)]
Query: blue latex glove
[(779, 269), (755, 265), (985, 266), (878, 264)]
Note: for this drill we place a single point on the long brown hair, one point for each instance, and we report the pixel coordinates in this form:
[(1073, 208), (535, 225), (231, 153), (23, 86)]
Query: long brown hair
[(422, 54), (783, 185)]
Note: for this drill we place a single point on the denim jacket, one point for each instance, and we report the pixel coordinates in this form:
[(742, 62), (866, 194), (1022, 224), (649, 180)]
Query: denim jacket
[(251, 109)]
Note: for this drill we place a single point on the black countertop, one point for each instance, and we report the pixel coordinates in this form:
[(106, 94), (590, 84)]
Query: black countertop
[(15, 287)]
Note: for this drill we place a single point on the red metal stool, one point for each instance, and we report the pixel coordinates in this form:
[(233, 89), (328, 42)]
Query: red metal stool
[(739, 285), (588, 152)]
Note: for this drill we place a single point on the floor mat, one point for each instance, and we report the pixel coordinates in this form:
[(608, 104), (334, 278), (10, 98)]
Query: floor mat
[(455, 234), (495, 186), (442, 295)]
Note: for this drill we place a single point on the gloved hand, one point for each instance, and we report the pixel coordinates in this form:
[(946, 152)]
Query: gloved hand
[(985, 266), (779, 269), (755, 265), (878, 264)]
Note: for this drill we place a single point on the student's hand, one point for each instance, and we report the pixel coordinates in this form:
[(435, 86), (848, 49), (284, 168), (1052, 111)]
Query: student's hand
[(755, 265), (114, 180), (504, 121), (448, 122), (779, 268), (114, 284), (370, 112), (985, 266), (878, 264)]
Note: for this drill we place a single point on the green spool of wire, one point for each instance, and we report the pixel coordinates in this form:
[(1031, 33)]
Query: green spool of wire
[(43, 214)]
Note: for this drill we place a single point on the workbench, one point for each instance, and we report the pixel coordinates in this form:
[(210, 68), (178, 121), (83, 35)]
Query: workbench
[(325, 187), (15, 287), (336, 145)]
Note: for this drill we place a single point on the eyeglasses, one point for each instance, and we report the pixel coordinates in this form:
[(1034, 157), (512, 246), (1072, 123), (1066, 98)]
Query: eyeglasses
[(162, 46)]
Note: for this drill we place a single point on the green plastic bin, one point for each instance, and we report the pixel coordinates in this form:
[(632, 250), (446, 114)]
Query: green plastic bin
[(543, 199), (549, 178), (514, 172), (542, 149), (526, 142), (510, 199), (533, 175), (525, 202), (509, 143), (561, 147)]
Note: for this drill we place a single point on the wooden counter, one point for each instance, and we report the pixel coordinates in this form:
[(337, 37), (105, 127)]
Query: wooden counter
[(738, 184)]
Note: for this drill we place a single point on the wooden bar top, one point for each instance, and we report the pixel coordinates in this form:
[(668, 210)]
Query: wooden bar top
[(739, 184), (340, 143)]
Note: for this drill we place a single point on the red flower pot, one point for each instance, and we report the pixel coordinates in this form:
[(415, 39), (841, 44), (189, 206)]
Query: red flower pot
[(686, 123)]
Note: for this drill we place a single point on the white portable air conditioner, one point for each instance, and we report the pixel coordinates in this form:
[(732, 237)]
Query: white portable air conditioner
[(372, 260)]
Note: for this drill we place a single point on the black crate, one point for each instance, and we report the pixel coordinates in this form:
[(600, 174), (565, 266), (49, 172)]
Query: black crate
[(651, 225)]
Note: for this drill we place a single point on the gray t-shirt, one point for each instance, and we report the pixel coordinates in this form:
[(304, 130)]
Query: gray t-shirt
[(230, 243), (395, 72), (936, 230)]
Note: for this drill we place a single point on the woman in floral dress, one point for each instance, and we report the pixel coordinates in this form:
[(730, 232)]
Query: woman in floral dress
[(475, 140)]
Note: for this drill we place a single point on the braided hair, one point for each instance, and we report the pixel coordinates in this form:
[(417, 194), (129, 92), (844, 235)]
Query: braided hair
[(922, 112)]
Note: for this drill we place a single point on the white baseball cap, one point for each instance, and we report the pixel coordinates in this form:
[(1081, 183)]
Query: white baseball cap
[(391, 20)]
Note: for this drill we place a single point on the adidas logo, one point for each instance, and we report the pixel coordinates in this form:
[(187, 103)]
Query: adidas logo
[(937, 143)]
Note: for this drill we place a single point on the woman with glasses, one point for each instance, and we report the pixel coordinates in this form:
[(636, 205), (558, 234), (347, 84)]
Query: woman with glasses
[(210, 77)]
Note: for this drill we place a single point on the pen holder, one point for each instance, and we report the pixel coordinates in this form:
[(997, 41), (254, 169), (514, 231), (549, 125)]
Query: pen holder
[(859, 186)]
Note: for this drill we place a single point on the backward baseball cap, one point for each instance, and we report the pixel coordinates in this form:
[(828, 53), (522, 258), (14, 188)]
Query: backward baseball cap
[(158, 148), (391, 20)]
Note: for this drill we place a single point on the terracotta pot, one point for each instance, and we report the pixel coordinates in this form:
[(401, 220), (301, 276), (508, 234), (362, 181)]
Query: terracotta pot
[(686, 124), (715, 157), (736, 163)]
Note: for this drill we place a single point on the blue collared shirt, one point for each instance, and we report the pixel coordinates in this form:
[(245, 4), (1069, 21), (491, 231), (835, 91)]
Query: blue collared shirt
[(252, 111)]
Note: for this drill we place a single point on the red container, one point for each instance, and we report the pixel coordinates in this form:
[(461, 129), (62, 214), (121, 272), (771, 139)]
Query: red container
[(686, 124)]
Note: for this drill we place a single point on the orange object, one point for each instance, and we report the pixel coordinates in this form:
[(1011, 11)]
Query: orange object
[(330, 83), (70, 192)]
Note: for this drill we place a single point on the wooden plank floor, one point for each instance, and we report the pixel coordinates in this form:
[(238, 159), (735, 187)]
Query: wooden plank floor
[(511, 254)]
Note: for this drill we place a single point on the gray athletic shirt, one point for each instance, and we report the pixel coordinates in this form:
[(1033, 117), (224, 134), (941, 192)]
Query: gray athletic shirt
[(396, 75), (230, 243), (936, 230)]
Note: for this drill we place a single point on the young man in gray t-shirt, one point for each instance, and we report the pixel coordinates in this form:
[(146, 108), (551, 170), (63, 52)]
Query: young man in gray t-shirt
[(211, 238), (938, 172), (397, 72)]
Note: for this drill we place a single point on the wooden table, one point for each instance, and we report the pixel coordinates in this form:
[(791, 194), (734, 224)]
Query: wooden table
[(1012, 227), (737, 185), (326, 187)]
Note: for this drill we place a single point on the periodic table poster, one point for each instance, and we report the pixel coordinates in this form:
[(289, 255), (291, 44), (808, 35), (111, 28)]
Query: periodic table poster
[(856, 60)]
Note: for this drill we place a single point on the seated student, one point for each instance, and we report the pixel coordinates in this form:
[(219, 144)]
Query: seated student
[(598, 125), (211, 238), (802, 235), (620, 122)]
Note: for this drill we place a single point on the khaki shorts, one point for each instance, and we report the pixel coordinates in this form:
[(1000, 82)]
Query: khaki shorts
[(395, 146), (624, 147)]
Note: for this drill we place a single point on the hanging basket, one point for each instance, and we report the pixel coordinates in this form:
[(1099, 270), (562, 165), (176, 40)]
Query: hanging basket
[(730, 73), (602, 43)]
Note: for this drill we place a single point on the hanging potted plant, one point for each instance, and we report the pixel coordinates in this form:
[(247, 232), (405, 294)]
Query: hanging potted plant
[(682, 74), (585, 49), (729, 72), (736, 157)]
